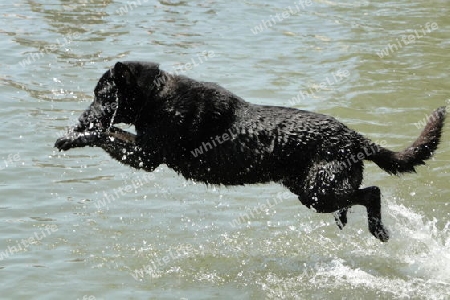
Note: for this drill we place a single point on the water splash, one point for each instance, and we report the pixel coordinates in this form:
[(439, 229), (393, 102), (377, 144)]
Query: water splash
[(426, 248)]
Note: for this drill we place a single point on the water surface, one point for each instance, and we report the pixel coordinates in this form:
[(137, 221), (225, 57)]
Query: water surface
[(177, 239)]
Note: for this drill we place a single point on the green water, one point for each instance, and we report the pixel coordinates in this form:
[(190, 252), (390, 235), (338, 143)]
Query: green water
[(175, 239)]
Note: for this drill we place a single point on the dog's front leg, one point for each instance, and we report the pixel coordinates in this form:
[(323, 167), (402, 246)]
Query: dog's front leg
[(74, 139), (122, 146)]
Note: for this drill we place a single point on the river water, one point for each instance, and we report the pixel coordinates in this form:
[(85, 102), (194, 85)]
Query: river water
[(380, 67)]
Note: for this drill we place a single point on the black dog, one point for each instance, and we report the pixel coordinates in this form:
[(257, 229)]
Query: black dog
[(208, 134)]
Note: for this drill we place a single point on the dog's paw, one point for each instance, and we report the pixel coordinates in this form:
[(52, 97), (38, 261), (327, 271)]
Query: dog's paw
[(340, 216), (378, 230), (63, 143), (78, 139)]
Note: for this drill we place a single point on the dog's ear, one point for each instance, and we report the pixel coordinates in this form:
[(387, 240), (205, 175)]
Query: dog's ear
[(123, 75)]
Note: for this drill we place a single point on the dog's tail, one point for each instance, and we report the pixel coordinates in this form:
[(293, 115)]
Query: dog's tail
[(421, 150)]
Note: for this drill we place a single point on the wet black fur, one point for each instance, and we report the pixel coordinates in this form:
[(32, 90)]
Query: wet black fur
[(315, 156)]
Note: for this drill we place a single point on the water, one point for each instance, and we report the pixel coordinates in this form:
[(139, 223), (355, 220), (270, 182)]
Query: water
[(169, 238)]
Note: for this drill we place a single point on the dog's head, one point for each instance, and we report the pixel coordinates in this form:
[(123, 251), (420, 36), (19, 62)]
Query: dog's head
[(119, 95)]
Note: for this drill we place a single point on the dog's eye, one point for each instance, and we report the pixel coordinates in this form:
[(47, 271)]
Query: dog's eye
[(105, 90), (108, 88)]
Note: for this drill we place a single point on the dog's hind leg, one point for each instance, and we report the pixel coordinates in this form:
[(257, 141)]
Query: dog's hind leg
[(329, 189), (370, 197), (340, 216)]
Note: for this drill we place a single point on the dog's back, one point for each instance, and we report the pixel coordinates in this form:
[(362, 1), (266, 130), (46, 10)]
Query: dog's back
[(214, 136)]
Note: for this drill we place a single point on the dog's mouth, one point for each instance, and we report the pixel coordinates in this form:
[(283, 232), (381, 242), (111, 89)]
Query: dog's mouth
[(102, 113), (113, 117)]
